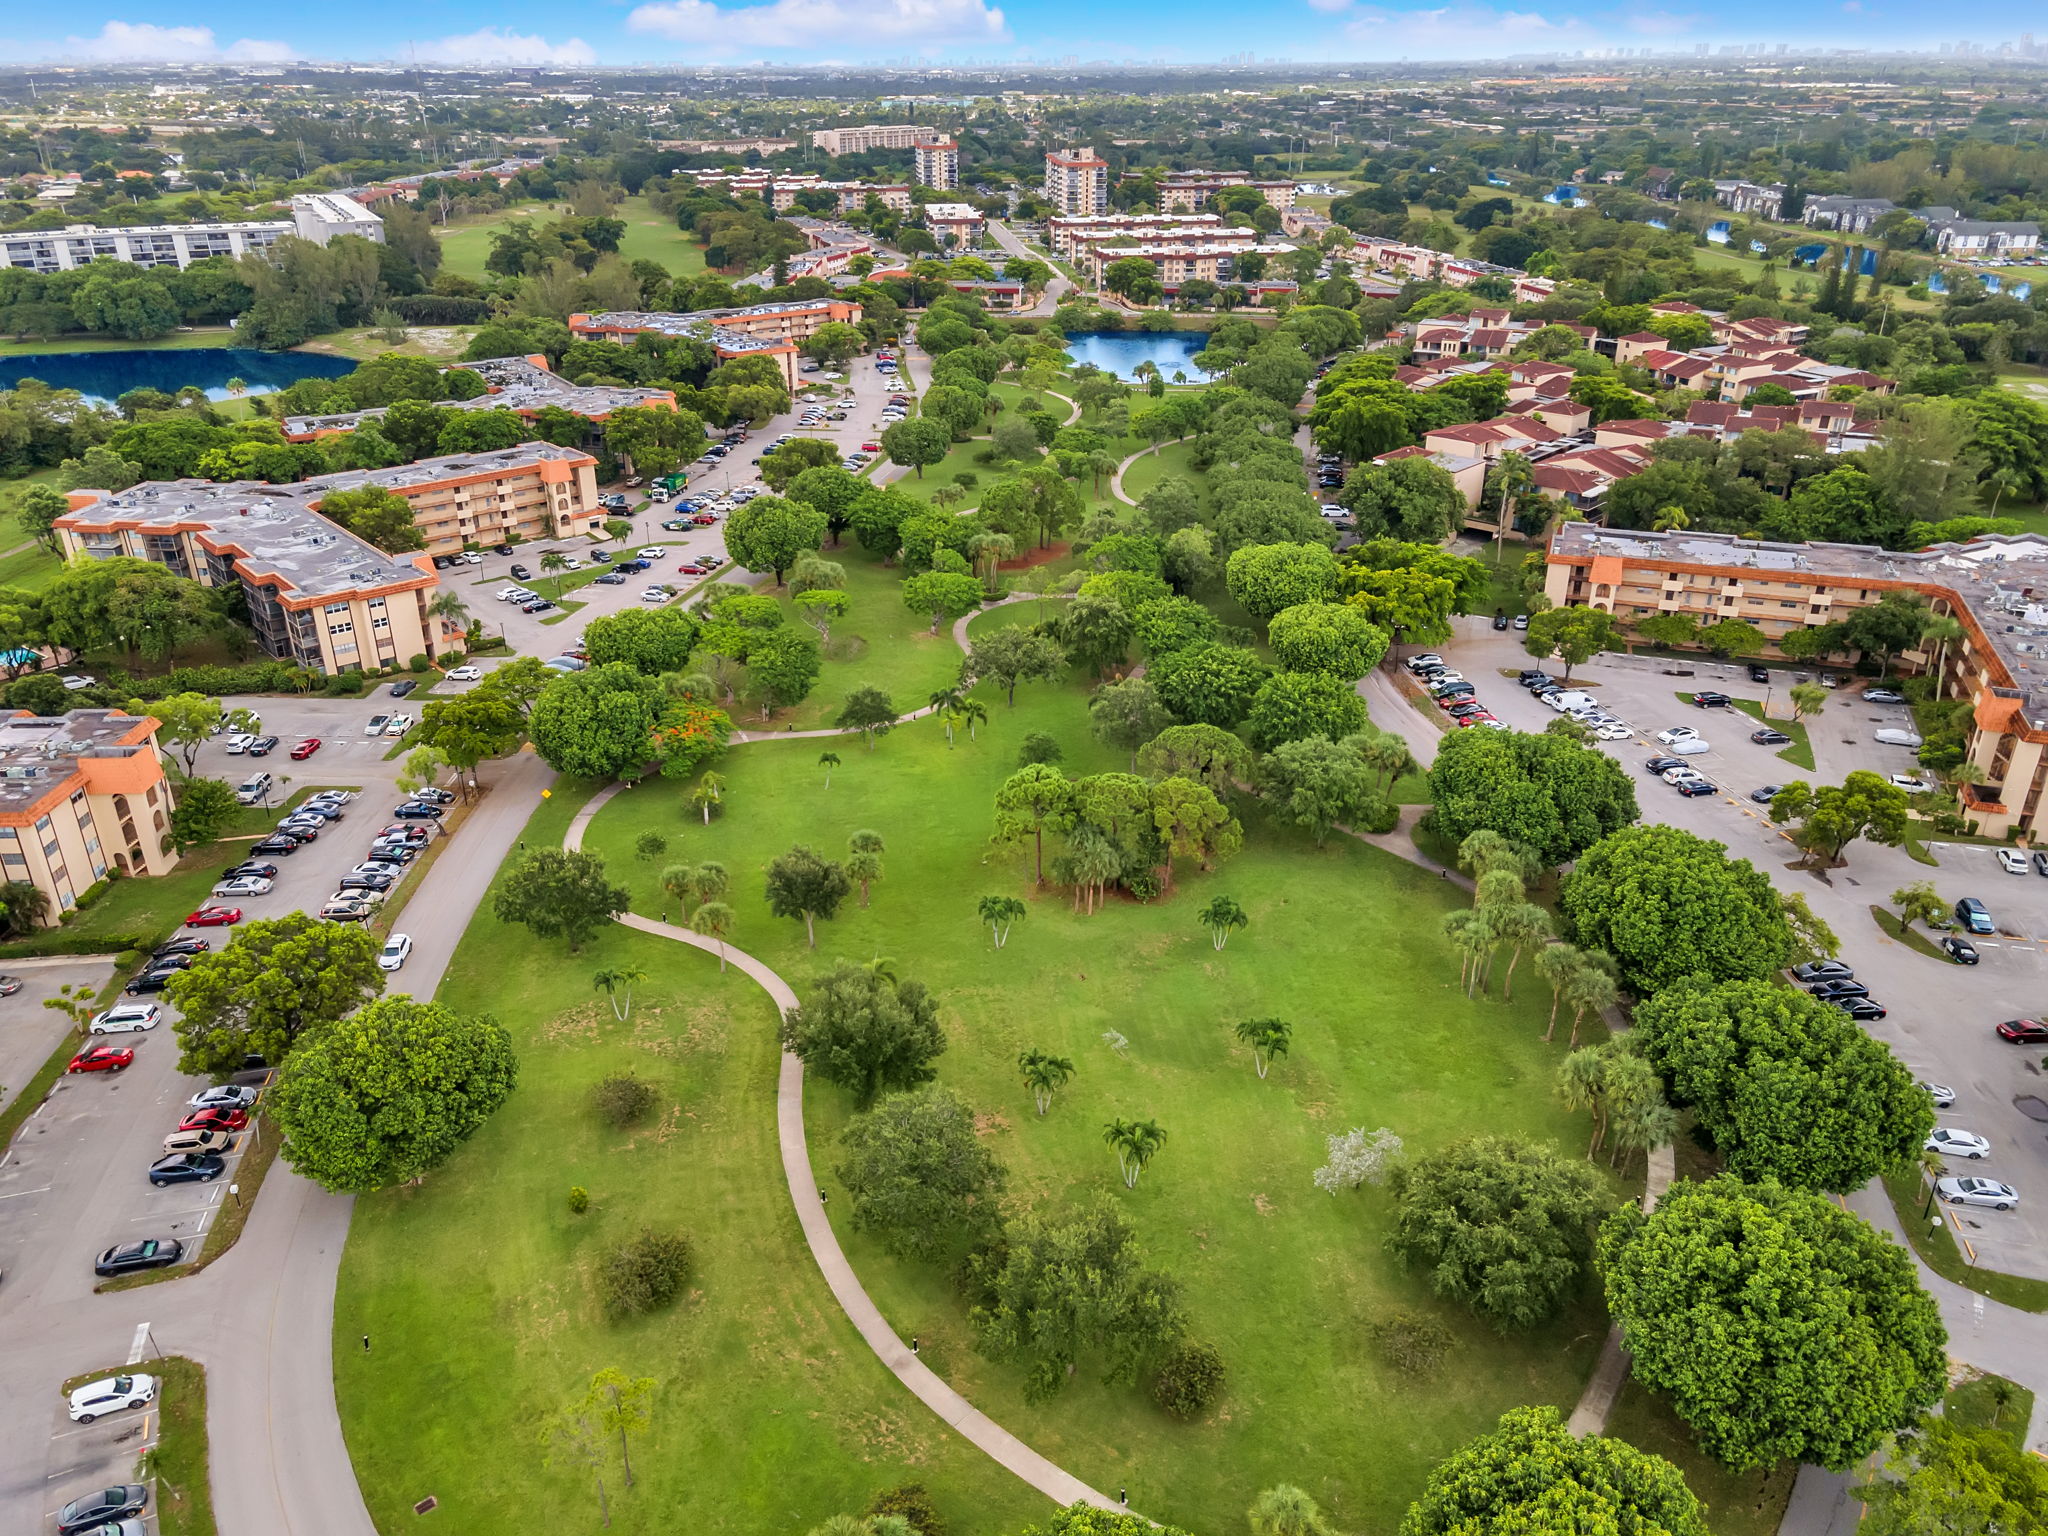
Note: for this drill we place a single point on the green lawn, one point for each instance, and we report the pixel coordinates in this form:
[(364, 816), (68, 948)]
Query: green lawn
[(1285, 1279), (476, 1286), (466, 245), (1976, 1404), (1171, 459), (204, 336)]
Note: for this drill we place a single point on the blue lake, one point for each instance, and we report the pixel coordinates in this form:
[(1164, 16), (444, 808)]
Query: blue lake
[(1120, 352), (105, 375)]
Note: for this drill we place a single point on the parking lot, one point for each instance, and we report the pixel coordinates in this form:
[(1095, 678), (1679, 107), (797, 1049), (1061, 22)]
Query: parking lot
[(28, 1030), (1940, 1016), (84, 1457)]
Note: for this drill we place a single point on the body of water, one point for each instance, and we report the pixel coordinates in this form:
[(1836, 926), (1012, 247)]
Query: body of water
[(1120, 352), (106, 375)]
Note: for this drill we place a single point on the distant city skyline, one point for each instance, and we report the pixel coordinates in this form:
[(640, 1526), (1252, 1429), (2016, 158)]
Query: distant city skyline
[(521, 34)]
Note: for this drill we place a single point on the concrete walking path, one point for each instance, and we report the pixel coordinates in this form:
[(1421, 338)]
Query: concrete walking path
[(1116, 480)]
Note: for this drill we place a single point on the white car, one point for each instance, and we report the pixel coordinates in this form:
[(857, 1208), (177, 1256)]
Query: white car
[(465, 674), (506, 594), (654, 595), (1944, 1096), (2000, 1197), (1691, 748), (1612, 732), (396, 948), (376, 725), (332, 797), (77, 680), (124, 1018), (1910, 784), (399, 725), (1426, 659), (653, 552), (1951, 1142), (244, 885), (110, 1394), (1892, 736), (2012, 861), (229, 1097), (1676, 734), (472, 557), (237, 745)]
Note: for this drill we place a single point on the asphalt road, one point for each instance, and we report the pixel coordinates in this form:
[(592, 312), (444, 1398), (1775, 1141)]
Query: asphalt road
[(1055, 291), (28, 1030)]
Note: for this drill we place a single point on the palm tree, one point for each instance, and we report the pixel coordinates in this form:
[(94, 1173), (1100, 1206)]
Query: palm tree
[(1671, 520), (945, 703), (1389, 757), (448, 605), (1555, 964), (714, 921), (239, 387), (972, 712), (828, 761), (999, 912), (1268, 1039), (611, 981), (1944, 629), (1591, 988), (1135, 1143), (864, 859), (988, 551), (23, 905), (1581, 1083), (710, 881), (1521, 925), (1044, 1075), (677, 881), (1471, 934), (710, 791), (551, 561), (1513, 479), (1221, 917), (1485, 851)]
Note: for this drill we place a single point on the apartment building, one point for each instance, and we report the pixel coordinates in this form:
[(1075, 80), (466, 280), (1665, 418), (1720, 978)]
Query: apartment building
[(937, 164), (1746, 197), (1180, 262), (857, 141), (522, 384), (1979, 240), (776, 331), (318, 217), (318, 595), (1191, 190), (1989, 585), (1849, 215), (1076, 182), (1065, 236), (779, 189), (955, 225), (82, 794)]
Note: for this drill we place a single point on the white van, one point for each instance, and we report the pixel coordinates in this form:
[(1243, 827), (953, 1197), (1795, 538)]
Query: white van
[(253, 788), (1894, 736), (1571, 699)]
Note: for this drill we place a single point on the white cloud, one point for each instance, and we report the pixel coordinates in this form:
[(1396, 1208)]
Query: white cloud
[(490, 46), (1329, 5), (809, 24), (121, 42), (1470, 31)]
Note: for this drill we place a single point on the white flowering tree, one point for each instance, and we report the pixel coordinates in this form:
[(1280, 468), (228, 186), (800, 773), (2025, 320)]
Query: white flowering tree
[(1358, 1157)]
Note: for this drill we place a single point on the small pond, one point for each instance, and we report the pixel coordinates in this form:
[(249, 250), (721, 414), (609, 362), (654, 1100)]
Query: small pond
[(106, 375), (1120, 352)]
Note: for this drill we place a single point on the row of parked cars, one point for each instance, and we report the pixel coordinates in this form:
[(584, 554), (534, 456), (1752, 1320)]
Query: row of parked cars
[(1454, 695)]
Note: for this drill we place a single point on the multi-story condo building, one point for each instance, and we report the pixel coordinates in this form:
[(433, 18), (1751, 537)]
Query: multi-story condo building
[(854, 141), (779, 189), (1990, 585), (318, 595), (1181, 261), (521, 384), (318, 217), (760, 330), (1067, 235), (81, 794), (954, 224), (1850, 215), (1076, 183), (1191, 190), (938, 164)]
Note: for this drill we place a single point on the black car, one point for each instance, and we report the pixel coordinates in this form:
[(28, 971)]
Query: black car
[(364, 883), (263, 746), (150, 1253), (1815, 971), (1960, 950), (1500, 621), (1841, 986), (299, 830), (1692, 787), (1767, 794), (1710, 700), (1759, 674), (402, 687), (189, 947), (256, 867), (602, 557), (116, 1503), (635, 565), (1859, 1008), (187, 1168), (385, 852), (501, 549), (417, 810), (1769, 738), (609, 579), (520, 573), (277, 842), (157, 975), (1664, 764)]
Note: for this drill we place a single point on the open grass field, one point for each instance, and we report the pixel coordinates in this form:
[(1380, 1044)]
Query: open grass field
[(477, 1286), (1171, 459), (466, 244), (198, 336), (1286, 1280)]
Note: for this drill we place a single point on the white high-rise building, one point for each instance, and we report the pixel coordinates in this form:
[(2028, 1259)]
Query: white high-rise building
[(1076, 183), (854, 141), (938, 164)]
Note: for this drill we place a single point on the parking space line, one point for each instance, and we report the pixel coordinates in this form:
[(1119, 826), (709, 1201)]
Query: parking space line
[(141, 1343), (17, 1194)]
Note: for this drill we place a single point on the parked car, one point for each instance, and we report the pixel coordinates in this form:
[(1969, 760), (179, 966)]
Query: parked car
[(1960, 950), (198, 1139), (142, 983), (187, 1168), (102, 1058), (465, 674), (263, 746), (305, 749), (115, 1503), (399, 725), (1839, 987), (216, 916), (1769, 738), (1676, 734), (1975, 916), (1861, 1009), (191, 943), (1910, 783), (254, 788), (1893, 736), (1883, 696), (1766, 794), (1951, 1141), (237, 744), (2011, 860), (345, 910), (126, 1018), (277, 843), (376, 882), (1692, 787), (1691, 746), (1815, 971), (224, 1118), (1992, 1192), (396, 949), (404, 686), (1944, 1096), (1711, 700), (376, 725), (145, 1253), (227, 1096), (243, 885), (2023, 1031), (1758, 673), (110, 1394)]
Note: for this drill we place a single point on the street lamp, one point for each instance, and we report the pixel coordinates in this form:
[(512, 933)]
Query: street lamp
[(236, 1191)]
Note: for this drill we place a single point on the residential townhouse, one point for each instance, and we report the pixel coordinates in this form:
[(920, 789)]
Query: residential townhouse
[(82, 795), (1848, 215), (1180, 262), (1746, 197), (1065, 236)]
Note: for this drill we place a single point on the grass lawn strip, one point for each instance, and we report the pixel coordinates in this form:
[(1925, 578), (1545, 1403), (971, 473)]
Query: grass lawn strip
[(1912, 938), (1800, 752), (247, 1176), (1936, 1245), (181, 1495), (1738, 1503), (1975, 1405)]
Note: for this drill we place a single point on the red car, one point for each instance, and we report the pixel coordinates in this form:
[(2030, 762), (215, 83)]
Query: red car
[(220, 1118), (214, 917), (694, 570), (102, 1058), (870, 447), (2023, 1031), (305, 749), (704, 519), (1479, 719)]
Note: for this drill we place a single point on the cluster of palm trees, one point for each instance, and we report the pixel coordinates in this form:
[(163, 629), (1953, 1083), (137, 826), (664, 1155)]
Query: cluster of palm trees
[(1625, 1094), (617, 983), (1501, 915), (955, 709), (706, 885), (1136, 1143)]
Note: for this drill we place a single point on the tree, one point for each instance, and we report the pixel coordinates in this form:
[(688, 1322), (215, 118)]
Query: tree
[(23, 905), (917, 1173), (617, 983), (1292, 706), (1730, 637), (644, 1272), (1013, 655), (1408, 498), (1222, 917), (1207, 754), (782, 666), (869, 711), (1807, 699), (1790, 1088), (942, 594), (384, 1095), (620, 1404), (1268, 1038), (206, 808), (714, 919), (1575, 634), (1832, 817), (1043, 1074), (1000, 912), (1948, 1477), (1136, 1143), (828, 761), (1920, 903), (1331, 638), (1285, 1510), (1667, 905), (1127, 714), (598, 723), (1782, 1327), (1317, 784), (650, 641), (1501, 1225), (1265, 578), (1530, 1473), (188, 721), (1358, 1157), (916, 443), (1067, 1285), (371, 512), (1031, 802), (574, 1436), (865, 1031), (559, 893), (1544, 793), (1673, 631), (707, 796), (280, 980), (801, 884), (770, 534), (1192, 823), (864, 860)]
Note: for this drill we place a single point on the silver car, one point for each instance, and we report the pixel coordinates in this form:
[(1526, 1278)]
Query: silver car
[(2000, 1197)]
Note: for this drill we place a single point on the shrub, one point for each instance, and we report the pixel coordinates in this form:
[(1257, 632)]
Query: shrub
[(1411, 1342), (913, 1505), (1190, 1378), (644, 1272), (579, 1199), (438, 309), (622, 1099), (343, 685), (53, 942), (418, 662), (967, 480)]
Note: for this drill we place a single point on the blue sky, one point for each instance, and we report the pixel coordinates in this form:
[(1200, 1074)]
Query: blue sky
[(526, 33)]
